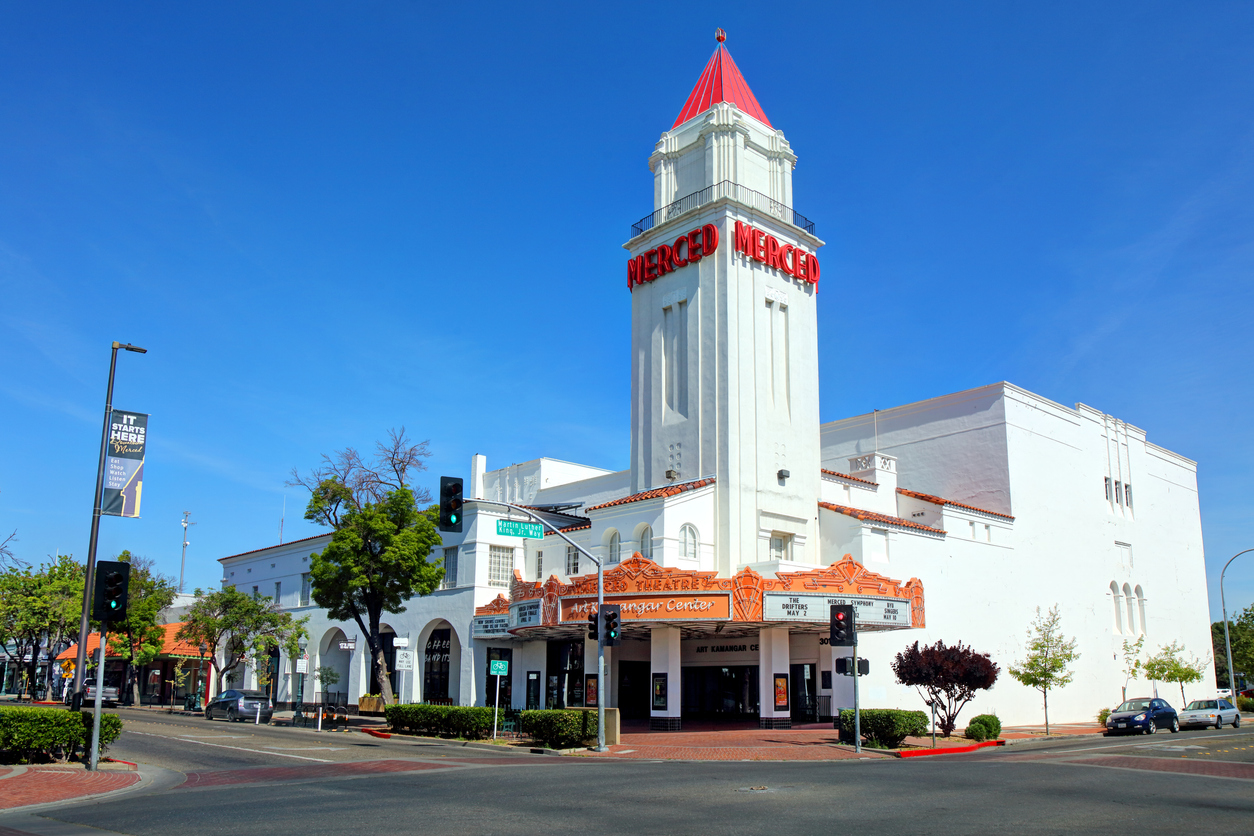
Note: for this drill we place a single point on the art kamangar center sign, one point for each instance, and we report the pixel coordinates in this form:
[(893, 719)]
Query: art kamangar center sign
[(867, 609)]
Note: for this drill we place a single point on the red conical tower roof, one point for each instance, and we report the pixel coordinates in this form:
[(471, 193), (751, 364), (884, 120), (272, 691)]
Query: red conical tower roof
[(721, 82)]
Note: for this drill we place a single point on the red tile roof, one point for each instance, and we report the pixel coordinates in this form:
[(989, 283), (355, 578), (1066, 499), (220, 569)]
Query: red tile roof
[(576, 526), (654, 493), (847, 476), (936, 500), (721, 81), (170, 646), (872, 516)]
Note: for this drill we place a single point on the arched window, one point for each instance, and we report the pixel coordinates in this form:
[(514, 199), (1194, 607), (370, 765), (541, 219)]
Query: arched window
[(1140, 603), (1131, 605), (1114, 596), (689, 543), (615, 547), (646, 542)]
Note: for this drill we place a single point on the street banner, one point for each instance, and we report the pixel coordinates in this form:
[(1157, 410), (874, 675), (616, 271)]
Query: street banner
[(124, 464)]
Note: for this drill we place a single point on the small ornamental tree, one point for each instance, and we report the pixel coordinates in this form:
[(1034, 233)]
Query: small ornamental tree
[(946, 677), (1050, 654), (1133, 664), (1170, 665), (234, 626)]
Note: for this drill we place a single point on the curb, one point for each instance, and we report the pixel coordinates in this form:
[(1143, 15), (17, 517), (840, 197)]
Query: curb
[(1019, 741), (951, 750)]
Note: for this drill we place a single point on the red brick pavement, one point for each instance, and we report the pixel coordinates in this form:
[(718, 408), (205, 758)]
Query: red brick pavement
[(266, 774), (21, 786), (1218, 769)]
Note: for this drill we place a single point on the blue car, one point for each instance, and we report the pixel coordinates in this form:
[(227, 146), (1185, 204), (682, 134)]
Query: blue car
[(1143, 715)]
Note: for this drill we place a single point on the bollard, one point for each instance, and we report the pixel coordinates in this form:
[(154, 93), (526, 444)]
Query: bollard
[(257, 722)]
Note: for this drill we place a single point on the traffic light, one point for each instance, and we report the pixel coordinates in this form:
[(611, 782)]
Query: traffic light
[(612, 615), (843, 631), (112, 580), (594, 621), (450, 503)]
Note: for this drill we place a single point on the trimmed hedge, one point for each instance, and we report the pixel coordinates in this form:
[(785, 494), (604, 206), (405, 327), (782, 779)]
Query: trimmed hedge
[(983, 727), (888, 726), (560, 728), (1245, 703), (51, 732), (469, 722)]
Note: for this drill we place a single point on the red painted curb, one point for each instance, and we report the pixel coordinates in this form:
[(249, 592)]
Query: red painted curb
[(374, 733), (952, 750), (128, 763)]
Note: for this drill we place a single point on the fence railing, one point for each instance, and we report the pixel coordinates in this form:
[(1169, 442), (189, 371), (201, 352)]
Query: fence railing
[(725, 189)]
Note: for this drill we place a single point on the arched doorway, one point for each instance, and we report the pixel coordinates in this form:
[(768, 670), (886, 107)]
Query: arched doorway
[(334, 666), (440, 658)]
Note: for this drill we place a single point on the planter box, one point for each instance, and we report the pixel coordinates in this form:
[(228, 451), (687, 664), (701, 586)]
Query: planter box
[(370, 705)]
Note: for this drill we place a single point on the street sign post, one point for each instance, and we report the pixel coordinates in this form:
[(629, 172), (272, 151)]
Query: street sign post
[(498, 668)]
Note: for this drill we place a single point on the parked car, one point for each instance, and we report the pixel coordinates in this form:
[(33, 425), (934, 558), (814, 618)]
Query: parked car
[(107, 697), (1142, 715), (1210, 713), (240, 705)]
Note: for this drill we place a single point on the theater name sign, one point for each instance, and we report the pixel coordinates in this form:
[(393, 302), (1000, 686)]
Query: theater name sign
[(652, 594)]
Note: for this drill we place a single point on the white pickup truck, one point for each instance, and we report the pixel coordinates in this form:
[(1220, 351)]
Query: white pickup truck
[(108, 697)]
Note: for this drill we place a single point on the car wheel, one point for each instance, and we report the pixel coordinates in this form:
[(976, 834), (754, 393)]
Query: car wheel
[(1150, 728), (1175, 725), (231, 715), (208, 714), (1236, 722), (1219, 721)]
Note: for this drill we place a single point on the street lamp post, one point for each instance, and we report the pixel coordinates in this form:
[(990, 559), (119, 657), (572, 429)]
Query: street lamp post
[(1232, 675), (89, 581), (200, 680), (301, 644)]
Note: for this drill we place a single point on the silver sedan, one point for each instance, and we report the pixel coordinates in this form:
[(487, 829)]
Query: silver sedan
[(1215, 713)]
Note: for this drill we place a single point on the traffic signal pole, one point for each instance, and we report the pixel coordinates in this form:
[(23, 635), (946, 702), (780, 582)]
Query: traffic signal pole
[(601, 747), (95, 715), (857, 710)]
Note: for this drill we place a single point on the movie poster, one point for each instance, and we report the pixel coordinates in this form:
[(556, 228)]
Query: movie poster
[(590, 695), (659, 692), (781, 692), (124, 464)]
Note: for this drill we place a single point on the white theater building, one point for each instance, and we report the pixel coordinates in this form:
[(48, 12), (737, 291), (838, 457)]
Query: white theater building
[(742, 517)]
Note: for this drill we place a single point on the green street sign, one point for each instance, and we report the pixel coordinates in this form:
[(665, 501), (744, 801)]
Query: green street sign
[(516, 528), (498, 667)]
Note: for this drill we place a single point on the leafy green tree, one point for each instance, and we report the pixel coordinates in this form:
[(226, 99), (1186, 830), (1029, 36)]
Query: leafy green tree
[(234, 626), (39, 609), (1170, 664), (139, 638), (1049, 655), (378, 556), (1132, 662), (1241, 633)]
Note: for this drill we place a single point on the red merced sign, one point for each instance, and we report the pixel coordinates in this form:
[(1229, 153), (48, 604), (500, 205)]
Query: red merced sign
[(687, 249), (699, 243), (786, 258)]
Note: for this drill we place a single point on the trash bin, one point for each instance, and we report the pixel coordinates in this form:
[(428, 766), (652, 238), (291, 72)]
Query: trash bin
[(189, 703)]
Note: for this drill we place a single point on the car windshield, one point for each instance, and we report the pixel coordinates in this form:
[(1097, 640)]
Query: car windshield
[(1199, 705), (1134, 705)]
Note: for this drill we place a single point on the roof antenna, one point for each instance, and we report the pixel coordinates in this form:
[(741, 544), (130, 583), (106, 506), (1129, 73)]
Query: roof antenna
[(720, 35)]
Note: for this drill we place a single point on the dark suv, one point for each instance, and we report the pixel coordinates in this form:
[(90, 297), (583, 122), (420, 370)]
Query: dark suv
[(240, 705)]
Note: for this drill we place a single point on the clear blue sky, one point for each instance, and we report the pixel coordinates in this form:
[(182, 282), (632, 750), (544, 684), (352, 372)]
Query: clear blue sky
[(325, 220)]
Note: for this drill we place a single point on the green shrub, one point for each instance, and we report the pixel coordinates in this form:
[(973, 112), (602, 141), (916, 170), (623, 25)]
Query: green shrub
[(1103, 716), (977, 731), (469, 722), (559, 728), (888, 726), (51, 732), (990, 722), (1245, 703)]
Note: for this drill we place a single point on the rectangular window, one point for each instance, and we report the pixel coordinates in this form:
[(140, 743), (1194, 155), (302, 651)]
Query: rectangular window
[(779, 546), (1125, 554), (256, 593), (1118, 493), (500, 565), (539, 566), (572, 561), (1127, 495), (278, 592), (1109, 496), (304, 589), (450, 568)]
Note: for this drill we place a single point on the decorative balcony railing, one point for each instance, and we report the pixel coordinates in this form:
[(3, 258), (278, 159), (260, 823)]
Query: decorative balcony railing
[(728, 189)]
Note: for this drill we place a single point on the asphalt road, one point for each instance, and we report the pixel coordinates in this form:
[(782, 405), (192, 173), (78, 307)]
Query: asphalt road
[(260, 785)]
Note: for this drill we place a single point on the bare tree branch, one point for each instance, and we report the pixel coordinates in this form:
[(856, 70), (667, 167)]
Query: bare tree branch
[(6, 552)]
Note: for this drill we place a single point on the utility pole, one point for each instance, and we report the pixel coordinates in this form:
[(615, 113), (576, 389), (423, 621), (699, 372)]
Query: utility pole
[(183, 562)]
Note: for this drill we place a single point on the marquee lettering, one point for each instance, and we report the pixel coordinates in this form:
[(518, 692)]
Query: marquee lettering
[(666, 258), (786, 258)]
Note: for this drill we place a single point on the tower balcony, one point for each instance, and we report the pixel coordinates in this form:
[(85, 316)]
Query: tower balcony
[(725, 189)]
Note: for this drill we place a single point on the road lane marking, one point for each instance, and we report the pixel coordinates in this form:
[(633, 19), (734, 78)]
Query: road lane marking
[(237, 748)]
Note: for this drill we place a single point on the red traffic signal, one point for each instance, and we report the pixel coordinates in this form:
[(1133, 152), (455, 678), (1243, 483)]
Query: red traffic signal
[(842, 627)]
